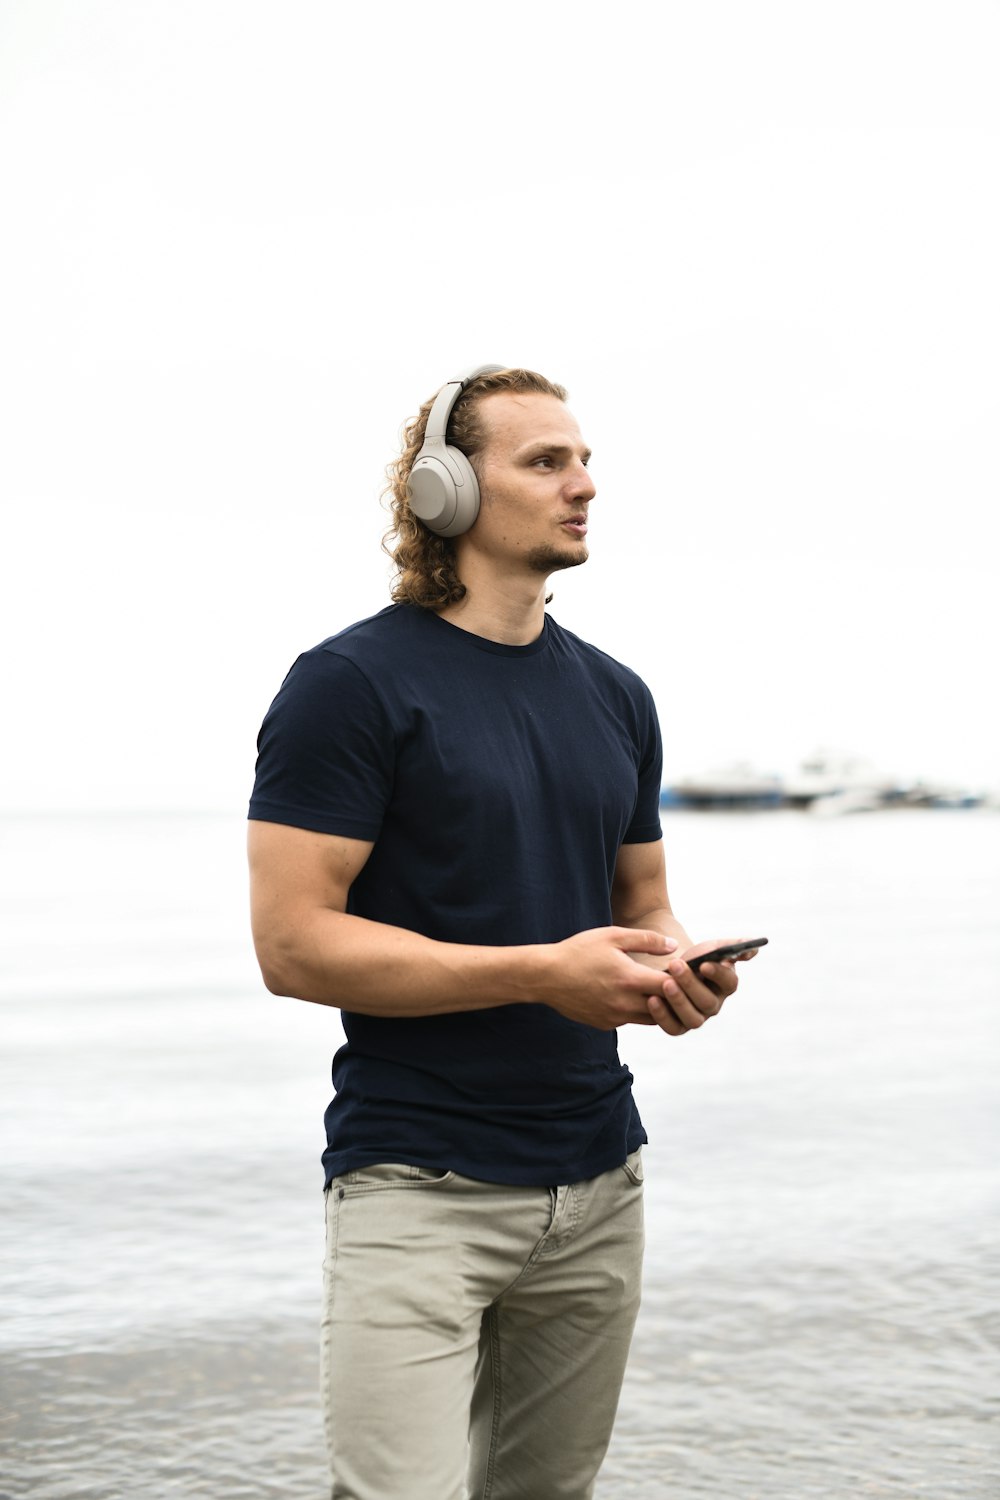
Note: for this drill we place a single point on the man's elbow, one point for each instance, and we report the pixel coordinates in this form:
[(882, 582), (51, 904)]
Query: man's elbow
[(287, 972), (277, 982), (281, 972)]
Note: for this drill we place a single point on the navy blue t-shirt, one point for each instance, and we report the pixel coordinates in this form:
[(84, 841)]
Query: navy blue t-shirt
[(497, 784)]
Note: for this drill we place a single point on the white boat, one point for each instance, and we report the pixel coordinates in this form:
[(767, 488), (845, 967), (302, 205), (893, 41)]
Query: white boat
[(832, 782), (850, 799), (736, 785)]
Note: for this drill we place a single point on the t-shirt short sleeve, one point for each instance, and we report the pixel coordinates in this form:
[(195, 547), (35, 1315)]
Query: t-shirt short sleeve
[(645, 826), (325, 751)]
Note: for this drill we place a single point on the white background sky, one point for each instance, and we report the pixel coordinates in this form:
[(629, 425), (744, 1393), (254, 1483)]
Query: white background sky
[(241, 243)]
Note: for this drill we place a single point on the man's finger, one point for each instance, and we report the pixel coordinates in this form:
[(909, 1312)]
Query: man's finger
[(641, 940)]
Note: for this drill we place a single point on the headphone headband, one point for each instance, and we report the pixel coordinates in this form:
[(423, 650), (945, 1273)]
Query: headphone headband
[(444, 403)]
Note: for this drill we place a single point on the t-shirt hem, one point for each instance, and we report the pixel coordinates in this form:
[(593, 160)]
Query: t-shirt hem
[(555, 1175), (315, 822), (647, 835)]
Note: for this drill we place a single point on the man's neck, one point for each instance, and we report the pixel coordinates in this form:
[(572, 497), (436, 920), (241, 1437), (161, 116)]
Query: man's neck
[(510, 611)]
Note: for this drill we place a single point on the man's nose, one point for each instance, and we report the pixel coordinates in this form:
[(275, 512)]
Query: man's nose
[(582, 483)]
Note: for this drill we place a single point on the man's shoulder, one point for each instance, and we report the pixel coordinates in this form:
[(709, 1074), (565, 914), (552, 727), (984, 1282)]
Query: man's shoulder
[(593, 659), (383, 636), (388, 624), (361, 658)]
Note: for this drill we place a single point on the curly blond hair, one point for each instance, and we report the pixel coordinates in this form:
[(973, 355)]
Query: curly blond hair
[(425, 563)]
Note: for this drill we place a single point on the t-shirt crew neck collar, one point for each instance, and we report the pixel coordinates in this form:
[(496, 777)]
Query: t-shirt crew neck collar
[(495, 648)]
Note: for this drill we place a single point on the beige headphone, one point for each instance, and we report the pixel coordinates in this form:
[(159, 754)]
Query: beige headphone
[(443, 489)]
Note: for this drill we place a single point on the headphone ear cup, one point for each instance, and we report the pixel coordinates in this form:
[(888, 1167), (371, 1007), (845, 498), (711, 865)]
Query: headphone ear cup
[(444, 490)]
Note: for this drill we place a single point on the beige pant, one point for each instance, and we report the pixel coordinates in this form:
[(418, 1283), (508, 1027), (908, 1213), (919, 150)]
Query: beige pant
[(476, 1334)]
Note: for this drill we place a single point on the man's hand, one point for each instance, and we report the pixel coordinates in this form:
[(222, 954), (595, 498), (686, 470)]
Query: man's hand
[(690, 998), (591, 978)]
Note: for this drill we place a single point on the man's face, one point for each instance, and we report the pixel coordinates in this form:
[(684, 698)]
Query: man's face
[(534, 484)]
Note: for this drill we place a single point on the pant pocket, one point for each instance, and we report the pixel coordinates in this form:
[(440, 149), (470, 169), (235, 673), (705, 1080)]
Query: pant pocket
[(393, 1174), (632, 1167)]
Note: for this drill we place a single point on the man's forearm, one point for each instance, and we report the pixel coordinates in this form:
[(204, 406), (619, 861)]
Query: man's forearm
[(357, 964)]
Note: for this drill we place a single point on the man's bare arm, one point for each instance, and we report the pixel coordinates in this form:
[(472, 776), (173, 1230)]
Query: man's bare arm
[(309, 947)]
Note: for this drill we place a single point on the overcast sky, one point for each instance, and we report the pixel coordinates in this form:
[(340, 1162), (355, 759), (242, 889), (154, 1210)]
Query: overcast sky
[(241, 243)]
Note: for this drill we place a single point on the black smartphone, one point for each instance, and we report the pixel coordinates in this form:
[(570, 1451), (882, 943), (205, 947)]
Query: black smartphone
[(728, 950)]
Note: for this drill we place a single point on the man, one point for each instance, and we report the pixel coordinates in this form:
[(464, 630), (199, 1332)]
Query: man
[(455, 838)]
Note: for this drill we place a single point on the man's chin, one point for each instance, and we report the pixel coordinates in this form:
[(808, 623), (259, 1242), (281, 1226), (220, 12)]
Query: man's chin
[(554, 559)]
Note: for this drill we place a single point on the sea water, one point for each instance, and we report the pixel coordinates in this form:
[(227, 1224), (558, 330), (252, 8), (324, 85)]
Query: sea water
[(823, 1175)]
